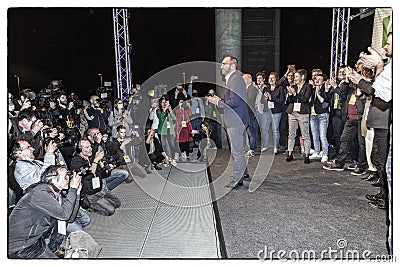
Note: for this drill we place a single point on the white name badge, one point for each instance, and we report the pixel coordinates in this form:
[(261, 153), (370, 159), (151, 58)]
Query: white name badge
[(297, 107), (271, 104), (197, 110), (127, 159), (183, 123), (168, 125), (95, 182), (214, 114), (62, 227)]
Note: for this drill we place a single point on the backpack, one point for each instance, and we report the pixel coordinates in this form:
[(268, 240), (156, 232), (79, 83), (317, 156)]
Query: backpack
[(81, 245)]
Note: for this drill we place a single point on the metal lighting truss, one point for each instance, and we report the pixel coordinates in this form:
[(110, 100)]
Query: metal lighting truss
[(122, 52), (340, 34)]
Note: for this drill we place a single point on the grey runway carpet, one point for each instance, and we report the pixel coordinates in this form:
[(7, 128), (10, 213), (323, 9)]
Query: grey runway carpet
[(167, 214), (287, 206)]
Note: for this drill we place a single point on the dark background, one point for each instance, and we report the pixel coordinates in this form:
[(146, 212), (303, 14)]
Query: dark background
[(75, 44)]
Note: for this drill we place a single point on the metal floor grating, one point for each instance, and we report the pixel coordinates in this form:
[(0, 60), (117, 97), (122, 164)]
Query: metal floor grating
[(167, 214)]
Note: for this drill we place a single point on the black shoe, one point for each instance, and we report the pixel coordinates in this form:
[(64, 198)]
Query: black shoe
[(246, 177), (376, 197), (372, 177), (377, 183), (235, 185), (358, 171), (157, 167), (307, 160), (60, 252), (379, 204), (333, 167), (289, 158), (129, 179)]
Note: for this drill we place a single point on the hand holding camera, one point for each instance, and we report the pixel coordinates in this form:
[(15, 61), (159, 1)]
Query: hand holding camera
[(51, 147), (75, 181)]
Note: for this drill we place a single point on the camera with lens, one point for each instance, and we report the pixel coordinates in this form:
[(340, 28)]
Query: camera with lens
[(74, 99), (83, 171), (107, 160), (70, 139), (104, 92)]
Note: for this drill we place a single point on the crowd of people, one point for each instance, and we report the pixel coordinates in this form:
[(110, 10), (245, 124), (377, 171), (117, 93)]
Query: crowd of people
[(66, 155)]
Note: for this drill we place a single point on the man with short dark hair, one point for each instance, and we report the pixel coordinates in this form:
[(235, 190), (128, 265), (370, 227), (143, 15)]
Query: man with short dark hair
[(95, 115)]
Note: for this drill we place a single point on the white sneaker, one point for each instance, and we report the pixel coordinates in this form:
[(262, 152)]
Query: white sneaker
[(324, 159), (312, 151), (264, 149), (315, 156), (176, 157), (250, 153), (173, 162)]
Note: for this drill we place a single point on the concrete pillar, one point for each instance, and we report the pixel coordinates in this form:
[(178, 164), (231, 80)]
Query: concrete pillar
[(228, 41), (228, 34)]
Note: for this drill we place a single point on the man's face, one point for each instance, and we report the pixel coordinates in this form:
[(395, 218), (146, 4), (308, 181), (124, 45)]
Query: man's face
[(121, 133), (63, 100), (388, 46), (26, 150), (27, 124), (226, 66), (314, 75), (298, 79), (290, 77), (260, 80), (95, 101), (319, 80), (96, 135), (63, 178), (342, 74), (86, 148)]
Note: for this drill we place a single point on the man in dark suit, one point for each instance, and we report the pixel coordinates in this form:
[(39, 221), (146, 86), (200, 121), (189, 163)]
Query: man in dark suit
[(236, 116)]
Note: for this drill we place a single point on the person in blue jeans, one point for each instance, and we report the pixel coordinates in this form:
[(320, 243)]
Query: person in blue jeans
[(319, 117), (275, 97)]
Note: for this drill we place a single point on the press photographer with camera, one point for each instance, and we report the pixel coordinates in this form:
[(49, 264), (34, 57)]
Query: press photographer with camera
[(41, 212), (111, 175), (95, 195), (96, 115), (27, 169), (179, 89)]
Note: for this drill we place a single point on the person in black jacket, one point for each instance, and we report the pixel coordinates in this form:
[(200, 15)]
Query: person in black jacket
[(352, 129), (96, 197), (299, 113), (154, 150), (319, 117), (207, 140)]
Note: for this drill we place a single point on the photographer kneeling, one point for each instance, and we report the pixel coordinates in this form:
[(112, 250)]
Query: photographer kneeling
[(40, 211), (96, 197)]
